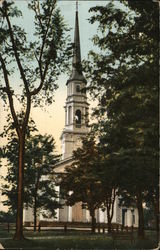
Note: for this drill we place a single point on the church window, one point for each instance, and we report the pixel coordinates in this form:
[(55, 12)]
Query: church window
[(78, 116), (77, 88)]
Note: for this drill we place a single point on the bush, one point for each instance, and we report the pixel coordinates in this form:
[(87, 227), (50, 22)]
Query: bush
[(7, 217)]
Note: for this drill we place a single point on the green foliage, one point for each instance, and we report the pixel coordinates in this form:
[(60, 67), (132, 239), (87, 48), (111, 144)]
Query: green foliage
[(149, 218), (41, 158), (39, 164), (90, 180), (7, 217), (80, 182), (124, 78)]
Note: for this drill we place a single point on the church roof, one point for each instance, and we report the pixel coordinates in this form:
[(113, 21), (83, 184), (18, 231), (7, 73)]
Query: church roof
[(59, 167), (76, 62)]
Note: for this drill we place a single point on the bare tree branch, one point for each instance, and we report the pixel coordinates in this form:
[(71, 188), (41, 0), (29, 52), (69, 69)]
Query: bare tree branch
[(43, 73), (112, 208), (16, 52), (9, 93), (28, 108), (45, 35)]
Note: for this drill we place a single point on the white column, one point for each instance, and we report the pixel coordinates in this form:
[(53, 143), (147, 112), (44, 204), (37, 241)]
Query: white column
[(65, 116), (87, 216), (69, 213), (84, 215), (70, 210), (136, 217), (57, 188), (126, 217), (102, 216)]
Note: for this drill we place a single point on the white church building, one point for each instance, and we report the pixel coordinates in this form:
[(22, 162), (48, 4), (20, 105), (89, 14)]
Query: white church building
[(76, 127)]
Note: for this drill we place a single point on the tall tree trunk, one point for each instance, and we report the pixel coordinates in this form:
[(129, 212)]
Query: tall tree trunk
[(109, 220), (110, 200), (141, 233), (19, 218), (92, 213)]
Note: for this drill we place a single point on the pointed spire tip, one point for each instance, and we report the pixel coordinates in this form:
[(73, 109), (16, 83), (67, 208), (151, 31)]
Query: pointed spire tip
[(77, 5), (77, 73)]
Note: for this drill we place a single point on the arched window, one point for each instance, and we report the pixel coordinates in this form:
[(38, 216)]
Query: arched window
[(77, 88), (78, 116)]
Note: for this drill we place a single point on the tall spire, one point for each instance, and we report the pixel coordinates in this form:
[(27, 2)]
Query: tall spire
[(77, 5), (76, 62), (76, 49)]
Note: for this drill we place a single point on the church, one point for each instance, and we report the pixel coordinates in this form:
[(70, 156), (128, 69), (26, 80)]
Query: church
[(76, 127)]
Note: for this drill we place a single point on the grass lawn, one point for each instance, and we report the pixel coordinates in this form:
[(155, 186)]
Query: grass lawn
[(73, 240)]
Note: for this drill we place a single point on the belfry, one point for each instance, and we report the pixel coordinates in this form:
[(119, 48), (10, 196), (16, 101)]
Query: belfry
[(76, 108)]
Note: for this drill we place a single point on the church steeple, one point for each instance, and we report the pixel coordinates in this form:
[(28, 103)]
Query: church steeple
[(76, 62), (76, 106)]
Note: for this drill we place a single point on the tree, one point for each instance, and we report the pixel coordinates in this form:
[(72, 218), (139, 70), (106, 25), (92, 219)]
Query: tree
[(6, 217), (124, 78), (39, 189), (80, 181), (9, 152), (107, 175), (91, 180), (148, 217), (37, 63), (41, 158)]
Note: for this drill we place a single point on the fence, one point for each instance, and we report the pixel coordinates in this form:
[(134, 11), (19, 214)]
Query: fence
[(63, 226)]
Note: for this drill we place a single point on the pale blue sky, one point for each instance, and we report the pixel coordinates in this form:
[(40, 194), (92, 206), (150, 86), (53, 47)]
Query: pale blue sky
[(51, 121), (68, 11)]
